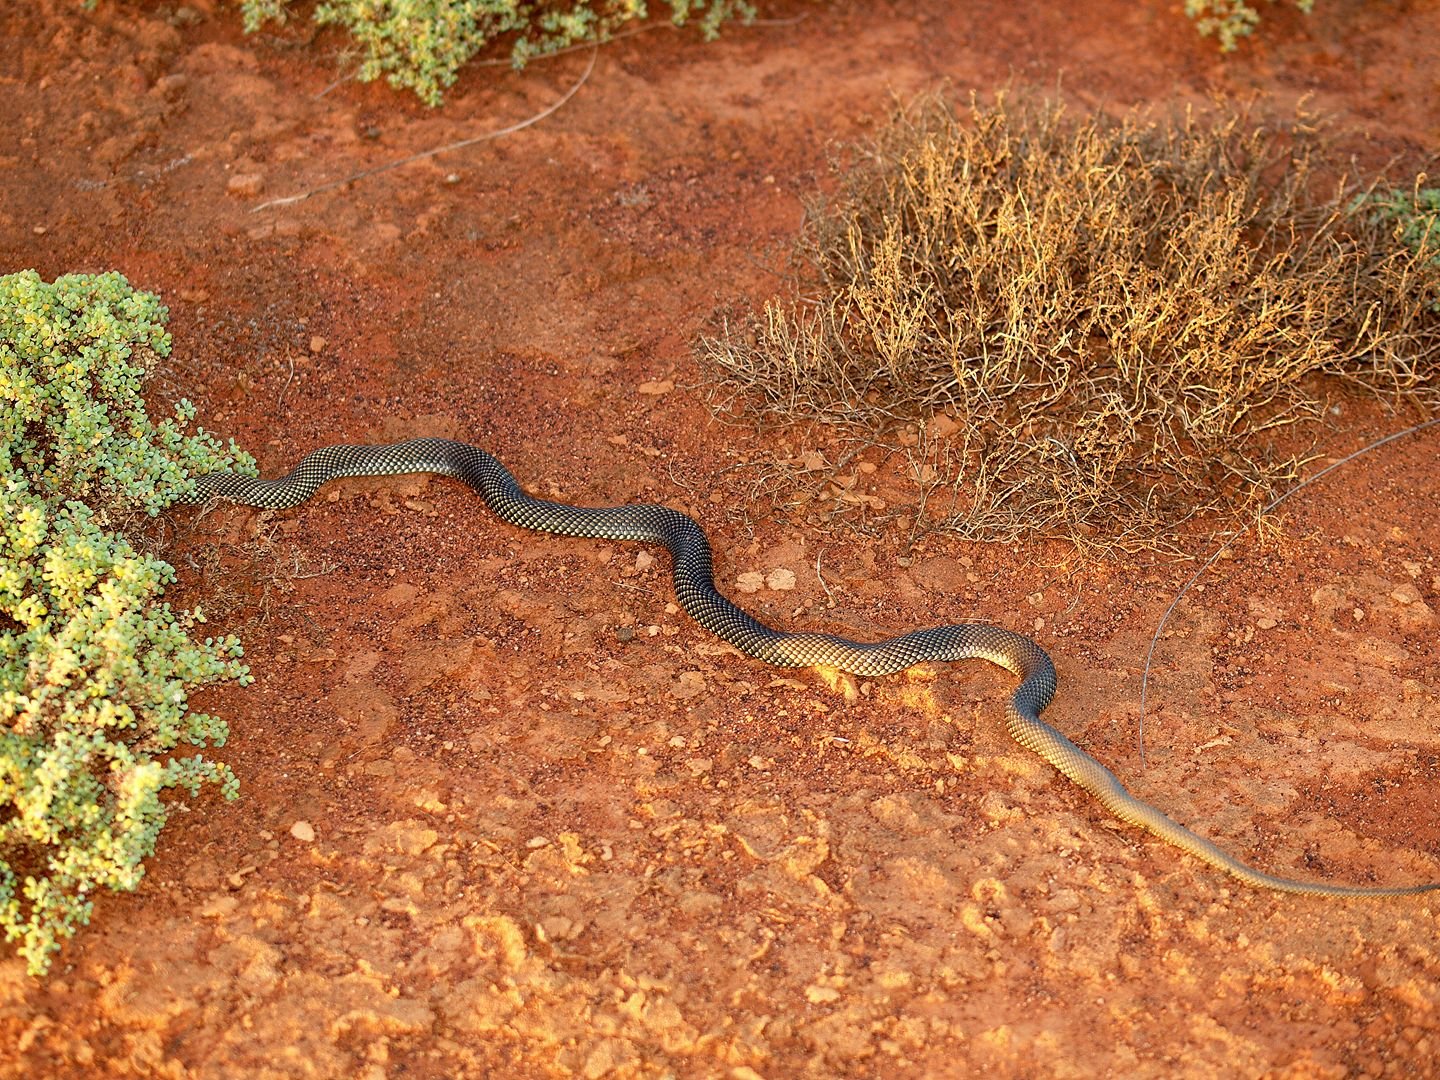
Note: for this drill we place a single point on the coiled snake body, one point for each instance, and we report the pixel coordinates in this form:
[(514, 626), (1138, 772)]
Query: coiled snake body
[(696, 592)]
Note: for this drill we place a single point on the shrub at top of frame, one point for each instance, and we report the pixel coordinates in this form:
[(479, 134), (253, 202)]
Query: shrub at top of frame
[(421, 45)]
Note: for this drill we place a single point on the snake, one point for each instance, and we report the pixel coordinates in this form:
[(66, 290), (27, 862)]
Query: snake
[(694, 585)]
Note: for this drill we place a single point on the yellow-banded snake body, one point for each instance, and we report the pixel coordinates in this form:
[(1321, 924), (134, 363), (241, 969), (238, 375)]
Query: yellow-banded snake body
[(695, 590)]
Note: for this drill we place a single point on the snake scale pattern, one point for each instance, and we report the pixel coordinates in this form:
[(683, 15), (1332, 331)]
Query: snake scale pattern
[(695, 590)]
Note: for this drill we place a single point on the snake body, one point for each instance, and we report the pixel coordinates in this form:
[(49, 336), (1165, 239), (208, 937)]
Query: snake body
[(695, 590)]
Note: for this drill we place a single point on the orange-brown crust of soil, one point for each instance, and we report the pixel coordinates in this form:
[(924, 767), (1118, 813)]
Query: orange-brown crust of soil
[(506, 811)]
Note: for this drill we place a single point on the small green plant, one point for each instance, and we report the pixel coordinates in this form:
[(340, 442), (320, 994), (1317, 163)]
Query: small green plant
[(1413, 218), (94, 669), (1230, 20), (422, 44), (1414, 214)]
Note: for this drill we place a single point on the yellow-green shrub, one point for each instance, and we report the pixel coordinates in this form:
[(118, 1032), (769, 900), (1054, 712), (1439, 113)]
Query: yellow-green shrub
[(1230, 20), (94, 669)]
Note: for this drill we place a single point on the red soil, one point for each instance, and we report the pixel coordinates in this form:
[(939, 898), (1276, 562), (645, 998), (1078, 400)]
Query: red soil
[(505, 810)]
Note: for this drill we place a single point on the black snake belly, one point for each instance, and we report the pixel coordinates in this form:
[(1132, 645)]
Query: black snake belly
[(696, 592)]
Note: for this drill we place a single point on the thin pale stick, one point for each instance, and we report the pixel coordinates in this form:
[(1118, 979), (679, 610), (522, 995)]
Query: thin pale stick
[(1150, 655), (288, 199)]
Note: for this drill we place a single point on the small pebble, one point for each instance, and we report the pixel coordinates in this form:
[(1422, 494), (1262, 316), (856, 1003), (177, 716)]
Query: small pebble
[(780, 580), (750, 582), (246, 185)]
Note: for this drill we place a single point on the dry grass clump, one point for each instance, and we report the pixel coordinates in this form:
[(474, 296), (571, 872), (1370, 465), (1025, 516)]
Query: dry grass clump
[(1115, 314)]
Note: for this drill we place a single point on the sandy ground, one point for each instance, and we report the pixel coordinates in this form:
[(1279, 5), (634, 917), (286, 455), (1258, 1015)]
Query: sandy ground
[(505, 810)]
